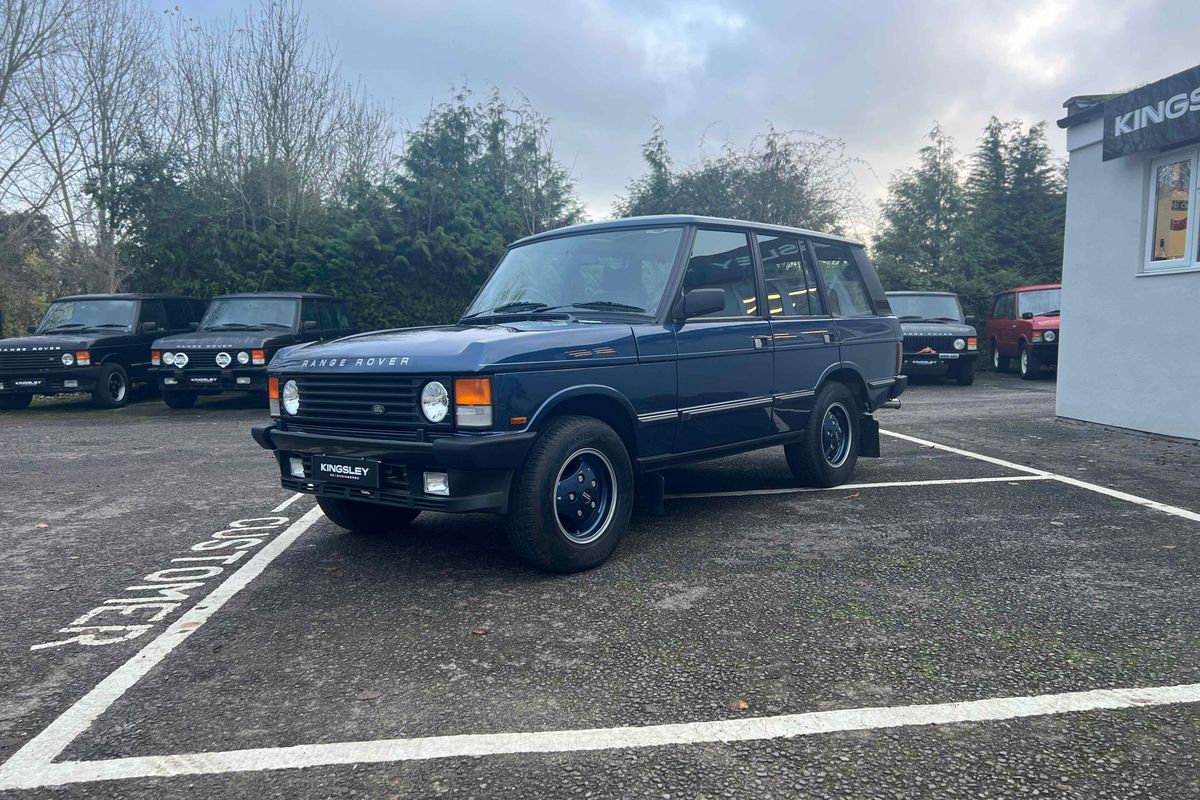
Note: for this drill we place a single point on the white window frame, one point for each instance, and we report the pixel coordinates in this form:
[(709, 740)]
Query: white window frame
[(1191, 257)]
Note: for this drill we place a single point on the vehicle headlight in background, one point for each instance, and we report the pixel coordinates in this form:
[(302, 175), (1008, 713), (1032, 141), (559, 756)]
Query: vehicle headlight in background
[(435, 401), (473, 402), (243, 357), (68, 359), (168, 358), (181, 359), (960, 344), (1050, 336), (290, 397)]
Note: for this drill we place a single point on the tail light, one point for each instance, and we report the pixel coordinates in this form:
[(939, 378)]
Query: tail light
[(273, 395), (473, 402)]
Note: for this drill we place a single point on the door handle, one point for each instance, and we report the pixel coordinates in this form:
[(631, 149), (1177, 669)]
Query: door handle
[(760, 341)]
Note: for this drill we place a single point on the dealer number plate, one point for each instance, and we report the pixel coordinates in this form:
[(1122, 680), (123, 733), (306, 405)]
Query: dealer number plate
[(350, 471), (203, 379)]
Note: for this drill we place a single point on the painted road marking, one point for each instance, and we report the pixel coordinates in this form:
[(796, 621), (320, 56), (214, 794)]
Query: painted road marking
[(849, 486), (565, 741), (287, 503), (1091, 487), (39, 751)]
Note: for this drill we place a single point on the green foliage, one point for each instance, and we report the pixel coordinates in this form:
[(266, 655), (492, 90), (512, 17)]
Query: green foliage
[(999, 226)]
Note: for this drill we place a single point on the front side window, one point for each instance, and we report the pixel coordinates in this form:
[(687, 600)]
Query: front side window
[(79, 315), (791, 281), (328, 316), (604, 271), (843, 284), (1173, 232), (932, 307), (1042, 301), (249, 313), (721, 260)]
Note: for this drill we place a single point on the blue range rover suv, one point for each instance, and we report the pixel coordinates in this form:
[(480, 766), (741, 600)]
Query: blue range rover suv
[(592, 358)]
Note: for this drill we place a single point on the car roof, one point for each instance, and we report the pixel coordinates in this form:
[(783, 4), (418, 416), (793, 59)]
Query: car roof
[(906, 293), (127, 296), (281, 295), (676, 219), (1032, 288)]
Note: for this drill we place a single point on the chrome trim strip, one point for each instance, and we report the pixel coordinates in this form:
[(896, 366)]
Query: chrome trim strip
[(653, 417), (882, 382), (795, 395), (728, 405)]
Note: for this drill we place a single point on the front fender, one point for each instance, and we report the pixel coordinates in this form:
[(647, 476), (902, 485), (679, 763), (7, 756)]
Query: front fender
[(546, 409)]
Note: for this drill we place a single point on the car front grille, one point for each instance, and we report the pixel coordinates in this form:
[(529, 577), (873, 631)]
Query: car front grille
[(206, 360), (378, 406), (40, 360), (942, 343)]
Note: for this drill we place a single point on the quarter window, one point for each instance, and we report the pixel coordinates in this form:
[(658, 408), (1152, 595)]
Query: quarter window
[(1172, 236), (844, 287), (791, 281), (721, 260)]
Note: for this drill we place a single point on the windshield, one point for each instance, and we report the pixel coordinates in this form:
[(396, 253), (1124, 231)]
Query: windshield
[(926, 306), (250, 312), (78, 315), (615, 270), (1042, 301)]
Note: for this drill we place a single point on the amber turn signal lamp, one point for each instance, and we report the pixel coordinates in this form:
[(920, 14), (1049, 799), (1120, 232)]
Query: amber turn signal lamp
[(258, 356), (473, 391), (272, 388)]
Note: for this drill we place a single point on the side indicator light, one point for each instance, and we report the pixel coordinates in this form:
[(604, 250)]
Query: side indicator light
[(518, 420)]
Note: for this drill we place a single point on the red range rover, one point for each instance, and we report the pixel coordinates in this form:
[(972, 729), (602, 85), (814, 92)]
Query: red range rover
[(1024, 326)]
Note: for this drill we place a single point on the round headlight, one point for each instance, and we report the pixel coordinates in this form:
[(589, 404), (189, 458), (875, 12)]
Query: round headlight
[(181, 359), (959, 344), (1050, 336), (435, 401), (168, 358), (68, 359), (243, 357), (291, 397)]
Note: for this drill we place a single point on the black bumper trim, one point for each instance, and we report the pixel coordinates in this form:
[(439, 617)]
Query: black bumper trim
[(498, 451)]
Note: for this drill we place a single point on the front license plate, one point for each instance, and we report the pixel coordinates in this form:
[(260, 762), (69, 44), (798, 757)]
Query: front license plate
[(351, 471), (203, 379), (948, 355)]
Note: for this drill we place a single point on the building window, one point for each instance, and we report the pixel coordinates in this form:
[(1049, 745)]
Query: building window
[(1172, 242)]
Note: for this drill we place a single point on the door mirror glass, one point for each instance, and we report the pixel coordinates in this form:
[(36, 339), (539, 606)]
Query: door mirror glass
[(1027, 315), (194, 326), (148, 327), (309, 325), (969, 318), (699, 302)]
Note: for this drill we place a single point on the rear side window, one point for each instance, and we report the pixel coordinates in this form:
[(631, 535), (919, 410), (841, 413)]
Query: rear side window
[(721, 260), (343, 316), (791, 280), (844, 288)]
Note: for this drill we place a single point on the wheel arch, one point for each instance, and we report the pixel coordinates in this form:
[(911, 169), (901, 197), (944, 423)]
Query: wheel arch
[(852, 377), (602, 402)]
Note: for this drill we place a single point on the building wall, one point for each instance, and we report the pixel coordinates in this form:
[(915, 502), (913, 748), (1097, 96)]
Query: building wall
[(1130, 350)]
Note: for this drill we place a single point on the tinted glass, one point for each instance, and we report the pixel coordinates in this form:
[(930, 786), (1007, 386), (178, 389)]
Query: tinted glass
[(938, 307), (343, 316), (153, 311), (1042, 301), (791, 282), (83, 314), (250, 313), (844, 286), (624, 267), (180, 313), (328, 317), (721, 260)]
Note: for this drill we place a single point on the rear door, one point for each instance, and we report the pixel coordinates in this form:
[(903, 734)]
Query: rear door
[(804, 340), (724, 363), (868, 340)]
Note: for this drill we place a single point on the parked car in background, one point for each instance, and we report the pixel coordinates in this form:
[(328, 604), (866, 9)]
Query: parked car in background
[(937, 338), (230, 348), (96, 343), (1024, 326), (594, 356)]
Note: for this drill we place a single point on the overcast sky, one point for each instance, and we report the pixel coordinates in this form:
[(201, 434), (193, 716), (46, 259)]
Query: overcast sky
[(874, 74)]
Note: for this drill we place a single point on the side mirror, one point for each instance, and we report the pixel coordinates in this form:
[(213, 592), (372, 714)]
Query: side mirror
[(31, 329), (308, 325), (193, 326), (969, 318), (1027, 315), (698, 302), (149, 327)]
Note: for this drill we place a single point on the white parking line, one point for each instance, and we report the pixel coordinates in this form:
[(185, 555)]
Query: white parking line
[(1091, 487), (717, 731), (851, 486), (287, 503), (39, 751)]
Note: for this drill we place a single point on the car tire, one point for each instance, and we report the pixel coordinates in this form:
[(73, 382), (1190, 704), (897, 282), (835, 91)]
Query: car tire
[(829, 450), (559, 530), (112, 386), (1000, 362), (1030, 364), (360, 517), (964, 374), (175, 399), (15, 402)]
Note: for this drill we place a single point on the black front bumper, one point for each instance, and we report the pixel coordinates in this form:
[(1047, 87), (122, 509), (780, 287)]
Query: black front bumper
[(210, 381), (919, 363), (479, 467), (53, 381)]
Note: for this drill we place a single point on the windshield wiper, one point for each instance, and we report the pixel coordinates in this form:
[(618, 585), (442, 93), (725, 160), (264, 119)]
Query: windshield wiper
[(231, 326), (110, 325), (600, 305), (1053, 313), (520, 305), (272, 325), (70, 326)]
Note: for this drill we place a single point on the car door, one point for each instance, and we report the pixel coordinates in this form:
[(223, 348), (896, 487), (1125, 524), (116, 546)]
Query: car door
[(329, 321), (309, 314), (724, 364), (138, 352), (803, 337), (867, 340), (1008, 328)]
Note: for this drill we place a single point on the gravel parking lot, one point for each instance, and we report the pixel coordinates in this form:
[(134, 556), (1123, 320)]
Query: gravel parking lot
[(757, 640)]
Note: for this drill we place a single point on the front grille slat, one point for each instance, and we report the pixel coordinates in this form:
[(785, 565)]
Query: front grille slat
[(343, 404), (942, 343), (40, 360)]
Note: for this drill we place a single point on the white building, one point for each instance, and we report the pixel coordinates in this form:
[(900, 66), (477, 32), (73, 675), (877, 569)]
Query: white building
[(1129, 353)]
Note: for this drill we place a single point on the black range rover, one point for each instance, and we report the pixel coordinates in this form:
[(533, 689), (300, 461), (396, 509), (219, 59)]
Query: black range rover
[(937, 338), (97, 343), (230, 348)]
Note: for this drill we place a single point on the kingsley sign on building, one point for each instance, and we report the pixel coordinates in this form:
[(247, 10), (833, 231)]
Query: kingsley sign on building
[(1161, 114)]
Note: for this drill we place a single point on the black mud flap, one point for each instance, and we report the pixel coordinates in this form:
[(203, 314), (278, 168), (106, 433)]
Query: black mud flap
[(868, 429), (651, 494)]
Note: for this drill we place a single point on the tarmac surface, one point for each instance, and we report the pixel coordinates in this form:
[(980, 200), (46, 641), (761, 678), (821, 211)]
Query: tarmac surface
[(755, 641)]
